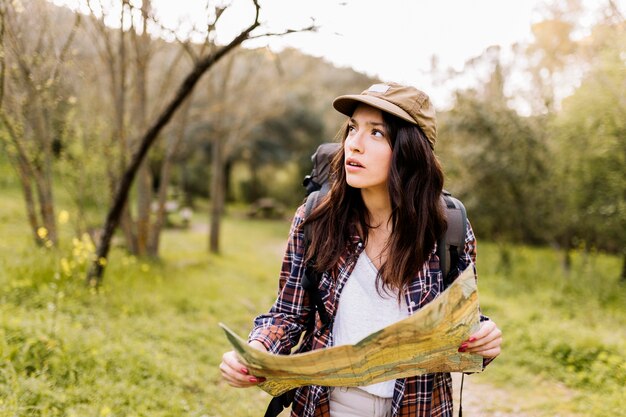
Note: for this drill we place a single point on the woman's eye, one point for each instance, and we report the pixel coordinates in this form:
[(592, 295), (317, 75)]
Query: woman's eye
[(378, 134), (351, 128)]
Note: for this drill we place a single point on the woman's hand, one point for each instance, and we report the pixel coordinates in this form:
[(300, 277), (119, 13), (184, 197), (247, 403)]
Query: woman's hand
[(235, 373), (485, 342)]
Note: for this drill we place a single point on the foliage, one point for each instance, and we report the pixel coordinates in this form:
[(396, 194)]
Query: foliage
[(288, 139), (498, 161), (589, 137), (555, 176)]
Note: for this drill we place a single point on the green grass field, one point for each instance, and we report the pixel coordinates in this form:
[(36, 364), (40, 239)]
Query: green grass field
[(148, 343)]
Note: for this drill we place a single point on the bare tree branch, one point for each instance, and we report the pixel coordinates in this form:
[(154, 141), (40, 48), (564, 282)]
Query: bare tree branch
[(2, 53), (66, 46), (311, 28)]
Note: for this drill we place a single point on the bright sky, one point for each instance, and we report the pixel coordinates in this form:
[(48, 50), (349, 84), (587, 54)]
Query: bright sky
[(394, 40)]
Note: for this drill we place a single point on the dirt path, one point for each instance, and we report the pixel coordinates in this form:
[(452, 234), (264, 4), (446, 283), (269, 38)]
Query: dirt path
[(537, 399), (477, 403)]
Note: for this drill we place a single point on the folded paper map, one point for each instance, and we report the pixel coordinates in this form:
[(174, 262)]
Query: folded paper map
[(425, 342)]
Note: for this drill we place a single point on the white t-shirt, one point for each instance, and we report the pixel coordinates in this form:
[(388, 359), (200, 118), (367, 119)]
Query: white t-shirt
[(363, 311)]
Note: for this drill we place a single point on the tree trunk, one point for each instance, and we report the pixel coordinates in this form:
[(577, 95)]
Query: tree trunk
[(24, 171), (254, 192), (128, 229), (28, 173), (166, 170), (217, 193), (27, 188), (46, 206), (142, 54), (566, 261), (228, 171), (144, 201), (42, 171), (159, 216), (623, 276)]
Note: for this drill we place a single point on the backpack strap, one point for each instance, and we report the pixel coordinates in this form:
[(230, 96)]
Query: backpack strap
[(311, 277), (451, 243), (277, 404)]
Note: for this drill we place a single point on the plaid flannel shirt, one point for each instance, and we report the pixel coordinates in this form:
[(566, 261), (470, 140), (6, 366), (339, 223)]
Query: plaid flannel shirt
[(281, 328)]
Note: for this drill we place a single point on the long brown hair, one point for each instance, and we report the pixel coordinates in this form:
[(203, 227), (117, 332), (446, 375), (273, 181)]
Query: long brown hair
[(417, 217)]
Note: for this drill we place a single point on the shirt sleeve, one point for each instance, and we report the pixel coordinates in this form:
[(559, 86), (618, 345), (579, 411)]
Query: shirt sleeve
[(469, 253), (280, 329)]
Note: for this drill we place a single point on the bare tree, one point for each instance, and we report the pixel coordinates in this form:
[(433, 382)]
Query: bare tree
[(202, 65), (233, 122), (135, 74), (32, 101)]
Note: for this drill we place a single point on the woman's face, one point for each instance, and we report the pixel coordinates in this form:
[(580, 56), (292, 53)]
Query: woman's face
[(367, 150)]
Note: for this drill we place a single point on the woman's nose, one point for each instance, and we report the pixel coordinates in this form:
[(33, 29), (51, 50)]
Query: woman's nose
[(354, 143)]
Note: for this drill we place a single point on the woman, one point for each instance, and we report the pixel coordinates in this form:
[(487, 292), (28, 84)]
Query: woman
[(374, 236)]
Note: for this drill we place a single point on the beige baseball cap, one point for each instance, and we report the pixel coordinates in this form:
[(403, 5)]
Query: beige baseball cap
[(405, 102)]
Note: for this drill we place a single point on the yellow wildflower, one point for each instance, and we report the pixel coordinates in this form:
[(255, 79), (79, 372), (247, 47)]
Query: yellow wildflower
[(42, 232), (65, 267), (63, 217)]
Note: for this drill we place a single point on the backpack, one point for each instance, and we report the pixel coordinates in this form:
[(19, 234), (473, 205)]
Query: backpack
[(317, 184)]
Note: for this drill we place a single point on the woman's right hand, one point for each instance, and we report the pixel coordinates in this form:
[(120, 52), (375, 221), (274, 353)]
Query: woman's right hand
[(235, 373)]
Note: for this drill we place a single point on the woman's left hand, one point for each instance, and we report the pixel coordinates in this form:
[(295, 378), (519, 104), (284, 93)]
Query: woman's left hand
[(485, 342)]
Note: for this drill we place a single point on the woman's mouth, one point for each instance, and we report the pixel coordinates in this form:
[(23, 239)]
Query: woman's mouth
[(353, 163)]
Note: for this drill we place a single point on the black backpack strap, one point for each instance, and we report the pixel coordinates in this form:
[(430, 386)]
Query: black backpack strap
[(311, 277), (452, 242), (277, 404)]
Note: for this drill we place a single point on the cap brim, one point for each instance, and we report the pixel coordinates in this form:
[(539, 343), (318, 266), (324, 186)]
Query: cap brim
[(346, 105)]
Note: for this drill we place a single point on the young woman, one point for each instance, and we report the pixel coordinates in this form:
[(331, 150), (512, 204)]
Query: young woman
[(374, 237)]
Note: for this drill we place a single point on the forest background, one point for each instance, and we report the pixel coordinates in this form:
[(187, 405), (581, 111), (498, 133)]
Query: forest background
[(221, 174)]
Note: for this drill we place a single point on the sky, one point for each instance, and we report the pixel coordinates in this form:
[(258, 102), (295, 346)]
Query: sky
[(393, 40)]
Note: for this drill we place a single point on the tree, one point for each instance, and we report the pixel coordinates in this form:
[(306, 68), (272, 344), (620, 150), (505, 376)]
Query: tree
[(232, 123), (287, 139), (33, 105), (132, 61), (589, 139), (285, 124), (202, 65), (498, 159)]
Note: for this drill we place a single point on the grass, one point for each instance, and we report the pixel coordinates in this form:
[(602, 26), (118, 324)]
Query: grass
[(148, 343), (565, 329)]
